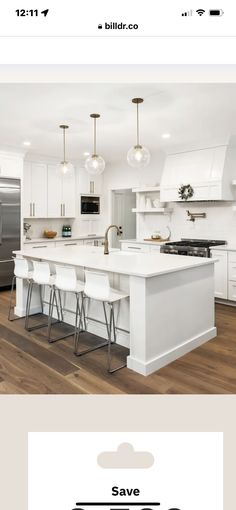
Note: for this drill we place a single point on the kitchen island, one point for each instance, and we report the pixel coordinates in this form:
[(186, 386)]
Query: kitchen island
[(170, 309)]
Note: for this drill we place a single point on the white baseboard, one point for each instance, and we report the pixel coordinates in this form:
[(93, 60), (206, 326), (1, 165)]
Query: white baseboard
[(164, 359), (20, 312)]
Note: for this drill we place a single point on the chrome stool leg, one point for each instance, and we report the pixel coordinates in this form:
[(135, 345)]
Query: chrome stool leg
[(78, 330), (53, 297), (30, 286), (109, 355), (11, 296), (28, 304)]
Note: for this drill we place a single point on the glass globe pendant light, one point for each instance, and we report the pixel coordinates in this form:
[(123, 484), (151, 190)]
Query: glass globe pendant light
[(95, 164), (64, 167), (138, 156)]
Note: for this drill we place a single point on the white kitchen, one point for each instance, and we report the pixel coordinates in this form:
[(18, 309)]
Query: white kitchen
[(118, 238)]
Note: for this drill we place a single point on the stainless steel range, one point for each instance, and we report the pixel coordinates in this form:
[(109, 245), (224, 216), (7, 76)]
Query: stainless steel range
[(191, 247)]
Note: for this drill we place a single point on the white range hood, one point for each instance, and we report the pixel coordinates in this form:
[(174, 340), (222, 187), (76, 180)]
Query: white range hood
[(209, 171)]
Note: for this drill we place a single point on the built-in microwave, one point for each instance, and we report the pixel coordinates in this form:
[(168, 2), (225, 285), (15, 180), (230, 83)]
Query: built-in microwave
[(89, 204)]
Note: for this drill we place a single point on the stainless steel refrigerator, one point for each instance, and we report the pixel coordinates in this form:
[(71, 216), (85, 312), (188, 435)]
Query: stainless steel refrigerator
[(9, 227)]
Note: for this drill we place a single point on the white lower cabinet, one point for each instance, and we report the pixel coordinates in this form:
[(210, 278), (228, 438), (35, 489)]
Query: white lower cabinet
[(232, 291), (221, 273), (135, 247), (155, 248), (139, 248), (37, 246)]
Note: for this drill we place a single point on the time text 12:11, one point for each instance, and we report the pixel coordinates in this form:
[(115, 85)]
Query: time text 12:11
[(31, 12)]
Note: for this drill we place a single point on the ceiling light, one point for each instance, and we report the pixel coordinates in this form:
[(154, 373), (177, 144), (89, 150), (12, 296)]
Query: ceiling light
[(86, 153), (165, 135), (138, 156), (95, 164), (27, 144), (64, 166)]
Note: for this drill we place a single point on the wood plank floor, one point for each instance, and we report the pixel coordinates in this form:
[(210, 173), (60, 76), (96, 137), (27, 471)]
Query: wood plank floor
[(29, 365)]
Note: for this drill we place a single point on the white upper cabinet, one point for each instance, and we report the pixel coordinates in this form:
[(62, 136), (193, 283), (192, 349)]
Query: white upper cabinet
[(35, 190), (26, 202), (89, 184), (68, 195), (54, 192), (209, 171), (47, 193), (61, 194), (11, 165)]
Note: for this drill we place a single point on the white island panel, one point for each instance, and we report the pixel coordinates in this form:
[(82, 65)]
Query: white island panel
[(170, 310)]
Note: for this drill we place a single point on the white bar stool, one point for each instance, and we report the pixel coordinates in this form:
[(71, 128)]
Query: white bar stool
[(97, 287), (66, 281), (42, 277), (23, 271)]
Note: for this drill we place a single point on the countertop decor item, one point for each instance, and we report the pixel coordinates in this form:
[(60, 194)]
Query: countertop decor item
[(138, 156), (50, 234), (186, 191), (66, 231), (95, 164), (64, 166)]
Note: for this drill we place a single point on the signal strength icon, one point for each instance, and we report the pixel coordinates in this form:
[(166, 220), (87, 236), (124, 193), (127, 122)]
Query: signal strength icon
[(200, 12), (187, 13)]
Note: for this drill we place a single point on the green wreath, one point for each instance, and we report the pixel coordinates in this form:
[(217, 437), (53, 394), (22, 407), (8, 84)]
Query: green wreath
[(186, 191)]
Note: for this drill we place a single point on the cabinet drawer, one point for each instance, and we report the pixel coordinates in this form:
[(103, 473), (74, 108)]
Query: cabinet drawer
[(41, 246), (66, 243), (139, 248), (232, 271), (232, 257), (232, 291), (155, 248)]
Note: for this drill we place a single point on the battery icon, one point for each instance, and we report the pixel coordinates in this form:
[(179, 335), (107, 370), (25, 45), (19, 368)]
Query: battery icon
[(216, 12)]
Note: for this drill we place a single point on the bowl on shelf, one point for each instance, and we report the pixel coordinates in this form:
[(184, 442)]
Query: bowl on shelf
[(50, 234)]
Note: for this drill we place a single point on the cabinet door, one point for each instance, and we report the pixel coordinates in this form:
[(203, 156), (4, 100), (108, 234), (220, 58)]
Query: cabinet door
[(68, 195), (221, 273), (232, 291), (135, 247), (155, 248), (39, 190), (54, 192), (27, 203)]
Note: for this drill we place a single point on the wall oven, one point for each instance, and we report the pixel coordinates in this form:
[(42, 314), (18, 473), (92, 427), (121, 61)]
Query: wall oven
[(89, 204)]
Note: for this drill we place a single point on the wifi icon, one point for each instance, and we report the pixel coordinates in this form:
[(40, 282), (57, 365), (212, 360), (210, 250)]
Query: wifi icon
[(200, 12)]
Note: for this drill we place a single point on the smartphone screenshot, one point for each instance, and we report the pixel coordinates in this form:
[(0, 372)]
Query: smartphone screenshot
[(117, 255)]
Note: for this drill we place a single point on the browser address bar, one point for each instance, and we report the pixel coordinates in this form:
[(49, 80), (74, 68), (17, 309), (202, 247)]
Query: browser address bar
[(125, 18)]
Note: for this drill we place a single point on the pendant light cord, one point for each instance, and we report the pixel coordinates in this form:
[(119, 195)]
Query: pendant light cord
[(137, 125), (64, 144), (94, 138)]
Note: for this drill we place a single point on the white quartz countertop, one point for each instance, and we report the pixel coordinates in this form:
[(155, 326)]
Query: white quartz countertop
[(122, 262), (60, 238)]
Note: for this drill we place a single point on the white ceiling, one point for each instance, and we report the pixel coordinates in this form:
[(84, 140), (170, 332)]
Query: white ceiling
[(194, 114)]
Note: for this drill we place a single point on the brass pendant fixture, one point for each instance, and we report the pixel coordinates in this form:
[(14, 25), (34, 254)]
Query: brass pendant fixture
[(95, 164), (138, 156), (64, 166)]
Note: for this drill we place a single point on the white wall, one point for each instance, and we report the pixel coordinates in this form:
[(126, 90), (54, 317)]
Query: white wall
[(119, 175), (220, 221)]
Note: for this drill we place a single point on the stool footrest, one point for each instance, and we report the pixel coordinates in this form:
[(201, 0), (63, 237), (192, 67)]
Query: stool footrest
[(111, 371), (91, 349), (52, 340)]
